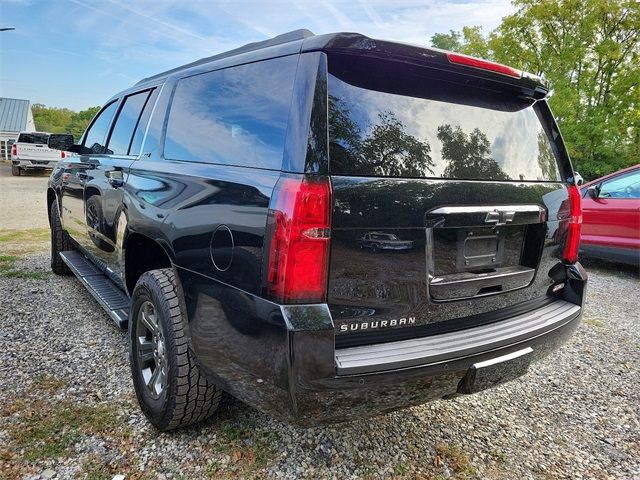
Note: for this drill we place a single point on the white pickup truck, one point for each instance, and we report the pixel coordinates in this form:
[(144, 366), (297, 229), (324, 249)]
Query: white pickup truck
[(30, 152)]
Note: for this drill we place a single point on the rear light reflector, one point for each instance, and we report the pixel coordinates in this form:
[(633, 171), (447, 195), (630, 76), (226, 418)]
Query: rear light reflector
[(300, 231), (483, 64), (572, 241)]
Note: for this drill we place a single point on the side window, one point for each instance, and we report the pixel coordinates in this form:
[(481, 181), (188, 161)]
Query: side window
[(234, 116), (126, 123), (623, 186), (138, 135), (95, 137)]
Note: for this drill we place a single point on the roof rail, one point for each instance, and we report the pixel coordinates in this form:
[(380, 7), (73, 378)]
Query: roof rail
[(292, 36)]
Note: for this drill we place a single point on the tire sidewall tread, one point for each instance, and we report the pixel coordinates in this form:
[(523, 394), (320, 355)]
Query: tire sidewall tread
[(188, 396)]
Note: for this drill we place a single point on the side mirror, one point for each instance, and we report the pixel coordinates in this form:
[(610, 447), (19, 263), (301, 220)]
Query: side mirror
[(594, 191), (61, 141), (578, 179)]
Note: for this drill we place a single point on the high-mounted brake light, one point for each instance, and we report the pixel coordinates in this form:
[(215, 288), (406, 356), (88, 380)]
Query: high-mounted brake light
[(300, 227), (572, 241), (484, 64), (14, 150)]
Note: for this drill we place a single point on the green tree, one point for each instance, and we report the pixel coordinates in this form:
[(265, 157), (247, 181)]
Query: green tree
[(80, 122), (470, 42), (52, 120), (447, 41), (62, 120), (589, 50)]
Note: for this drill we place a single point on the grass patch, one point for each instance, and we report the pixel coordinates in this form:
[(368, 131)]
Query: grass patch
[(455, 458), (48, 383), (19, 242), (400, 469), (48, 429), (95, 469), (594, 322), (250, 450), (8, 269)]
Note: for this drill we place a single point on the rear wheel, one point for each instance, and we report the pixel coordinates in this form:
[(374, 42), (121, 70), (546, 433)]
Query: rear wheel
[(15, 170), (171, 390), (60, 242)]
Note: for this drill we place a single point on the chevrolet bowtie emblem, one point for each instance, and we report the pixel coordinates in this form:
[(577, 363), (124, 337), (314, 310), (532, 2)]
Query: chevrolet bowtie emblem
[(499, 217)]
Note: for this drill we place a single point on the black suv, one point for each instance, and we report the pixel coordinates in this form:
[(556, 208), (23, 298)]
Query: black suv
[(220, 210)]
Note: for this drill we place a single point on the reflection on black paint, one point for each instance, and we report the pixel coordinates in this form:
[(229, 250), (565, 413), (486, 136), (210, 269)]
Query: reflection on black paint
[(382, 241), (468, 156)]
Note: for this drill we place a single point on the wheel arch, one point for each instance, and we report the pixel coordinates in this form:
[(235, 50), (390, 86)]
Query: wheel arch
[(51, 197), (142, 254)]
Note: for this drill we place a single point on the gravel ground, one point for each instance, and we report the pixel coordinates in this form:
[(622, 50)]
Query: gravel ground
[(68, 408)]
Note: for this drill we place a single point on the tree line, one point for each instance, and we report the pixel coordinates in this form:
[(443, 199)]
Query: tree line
[(589, 51), (62, 120)]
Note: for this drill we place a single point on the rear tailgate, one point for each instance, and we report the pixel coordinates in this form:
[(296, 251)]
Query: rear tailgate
[(33, 146), (448, 202)]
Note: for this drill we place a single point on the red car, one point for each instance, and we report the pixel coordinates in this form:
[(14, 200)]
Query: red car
[(611, 217)]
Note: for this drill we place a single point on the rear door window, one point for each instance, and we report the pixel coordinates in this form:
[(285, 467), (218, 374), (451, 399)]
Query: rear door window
[(234, 116), (126, 123), (141, 127), (398, 124), (95, 137)]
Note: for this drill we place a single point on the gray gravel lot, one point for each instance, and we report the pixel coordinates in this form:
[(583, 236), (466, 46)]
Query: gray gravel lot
[(68, 408)]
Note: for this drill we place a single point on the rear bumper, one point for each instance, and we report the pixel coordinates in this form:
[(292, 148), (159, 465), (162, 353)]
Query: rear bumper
[(283, 361), (450, 346), (35, 164), (356, 395)]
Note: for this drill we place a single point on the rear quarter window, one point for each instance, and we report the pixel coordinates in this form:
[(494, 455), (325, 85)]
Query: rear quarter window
[(235, 116)]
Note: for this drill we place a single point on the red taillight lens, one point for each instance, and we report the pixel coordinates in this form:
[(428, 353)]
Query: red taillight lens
[(14, 150), (572, 241), (300, 224), (63, 154), (483, 64)]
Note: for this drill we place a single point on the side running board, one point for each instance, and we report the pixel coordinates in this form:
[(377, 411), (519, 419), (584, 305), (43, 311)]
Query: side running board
[(109, 296)]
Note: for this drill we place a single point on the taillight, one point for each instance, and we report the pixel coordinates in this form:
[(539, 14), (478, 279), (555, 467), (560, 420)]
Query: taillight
[(572, 241), (63, 154), (483, 64), (300, 232), (14, 150)]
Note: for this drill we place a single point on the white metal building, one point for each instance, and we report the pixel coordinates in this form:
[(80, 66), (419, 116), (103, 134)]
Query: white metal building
[(15, 117)]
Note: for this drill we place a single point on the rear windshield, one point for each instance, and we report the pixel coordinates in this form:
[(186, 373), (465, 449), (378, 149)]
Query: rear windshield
[(33, 138), (381, 131)]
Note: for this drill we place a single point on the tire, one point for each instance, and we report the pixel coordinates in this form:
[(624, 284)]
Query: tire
[(16, 171), (171, 390), (60, 242)]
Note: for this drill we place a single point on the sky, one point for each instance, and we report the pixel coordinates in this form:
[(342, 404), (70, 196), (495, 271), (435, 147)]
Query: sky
[(78, 53)]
